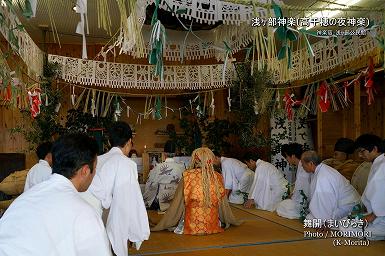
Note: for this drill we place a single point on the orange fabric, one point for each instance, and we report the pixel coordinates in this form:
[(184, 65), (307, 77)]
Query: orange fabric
[(199, 219)]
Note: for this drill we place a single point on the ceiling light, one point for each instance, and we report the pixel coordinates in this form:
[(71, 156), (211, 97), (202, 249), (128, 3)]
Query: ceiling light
[(75, 8), (3, 3)]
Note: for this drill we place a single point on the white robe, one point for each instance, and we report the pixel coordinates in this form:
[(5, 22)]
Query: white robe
[(38, 173), (237, 177), (291, 208), (374, 198), (268, 187), (52, 219), (162, 183), (117, 187), (332, 197)]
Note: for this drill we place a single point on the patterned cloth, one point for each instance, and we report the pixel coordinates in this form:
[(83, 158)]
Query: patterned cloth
[(162, 183), (199, 219)]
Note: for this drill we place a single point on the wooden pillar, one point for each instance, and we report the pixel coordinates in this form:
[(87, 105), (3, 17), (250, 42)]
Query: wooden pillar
[(357, 110), (319, 130)]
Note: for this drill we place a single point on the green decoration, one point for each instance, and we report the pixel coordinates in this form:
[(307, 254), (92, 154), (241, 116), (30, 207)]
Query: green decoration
[(181, 11), (249, 87), (305, 206), (27, 12)]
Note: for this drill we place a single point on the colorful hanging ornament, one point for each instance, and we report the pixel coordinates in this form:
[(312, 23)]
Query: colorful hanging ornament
[(35, 102), (369, 82), (289, 104), (324, 101)]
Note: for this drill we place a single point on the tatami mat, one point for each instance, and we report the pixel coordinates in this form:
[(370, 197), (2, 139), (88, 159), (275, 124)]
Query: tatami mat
[(262, 233)]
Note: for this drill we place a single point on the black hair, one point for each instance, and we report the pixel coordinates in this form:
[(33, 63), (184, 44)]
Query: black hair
[(216, 153), (345, 145), (169, 147), (369, 141), (292, 149), (119, 134), (70, 152), (43, 149), (250, 156)]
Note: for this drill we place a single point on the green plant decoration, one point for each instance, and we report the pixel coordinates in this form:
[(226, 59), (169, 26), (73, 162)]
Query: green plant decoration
[(246, 96), (46, 126)]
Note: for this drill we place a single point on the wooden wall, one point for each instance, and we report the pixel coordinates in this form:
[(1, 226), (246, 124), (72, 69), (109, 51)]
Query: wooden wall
[(359, 118)]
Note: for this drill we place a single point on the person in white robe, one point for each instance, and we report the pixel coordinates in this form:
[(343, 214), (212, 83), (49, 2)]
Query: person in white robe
[(163, 181), (370, 148), (269, 184), (51, 218), (332, 197), (291, 208), (42, 170), (237, 177), (116, 186)]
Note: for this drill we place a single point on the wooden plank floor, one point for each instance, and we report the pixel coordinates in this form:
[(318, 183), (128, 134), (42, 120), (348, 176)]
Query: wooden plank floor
[(262, 233)]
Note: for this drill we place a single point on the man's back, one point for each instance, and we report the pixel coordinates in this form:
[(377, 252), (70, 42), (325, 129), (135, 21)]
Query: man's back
[(331, 195), (38, 173), (51, 219)]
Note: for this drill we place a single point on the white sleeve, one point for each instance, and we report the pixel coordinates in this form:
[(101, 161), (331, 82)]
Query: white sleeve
[(90, 235), (227, 176), (127, 219)]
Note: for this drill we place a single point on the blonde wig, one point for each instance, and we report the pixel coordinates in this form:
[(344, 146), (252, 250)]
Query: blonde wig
[(203, 159)]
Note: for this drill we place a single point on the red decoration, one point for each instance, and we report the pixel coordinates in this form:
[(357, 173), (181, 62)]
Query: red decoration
[(35, 102), (369, 82), (324, 102), (289, 104)]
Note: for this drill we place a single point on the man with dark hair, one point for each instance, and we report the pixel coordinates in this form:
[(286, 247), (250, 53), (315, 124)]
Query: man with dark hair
[(291, 208), (116, 187), (343, 148), (42, 170), (163, 181), (51, 218), (269, 184), (237, 177), (370, 147), (331, 195)]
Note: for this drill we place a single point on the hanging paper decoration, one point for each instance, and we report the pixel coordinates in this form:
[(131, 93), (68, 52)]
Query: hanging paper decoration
[(93, 103), (128, 111), (118, 110), (324, 101), (346, 93), (81, 8), (212, 104), (157, 43), (158, 106), (256, 107), (369, 82), (229, 99), (46, 100), (73, 96), (35, 102)]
